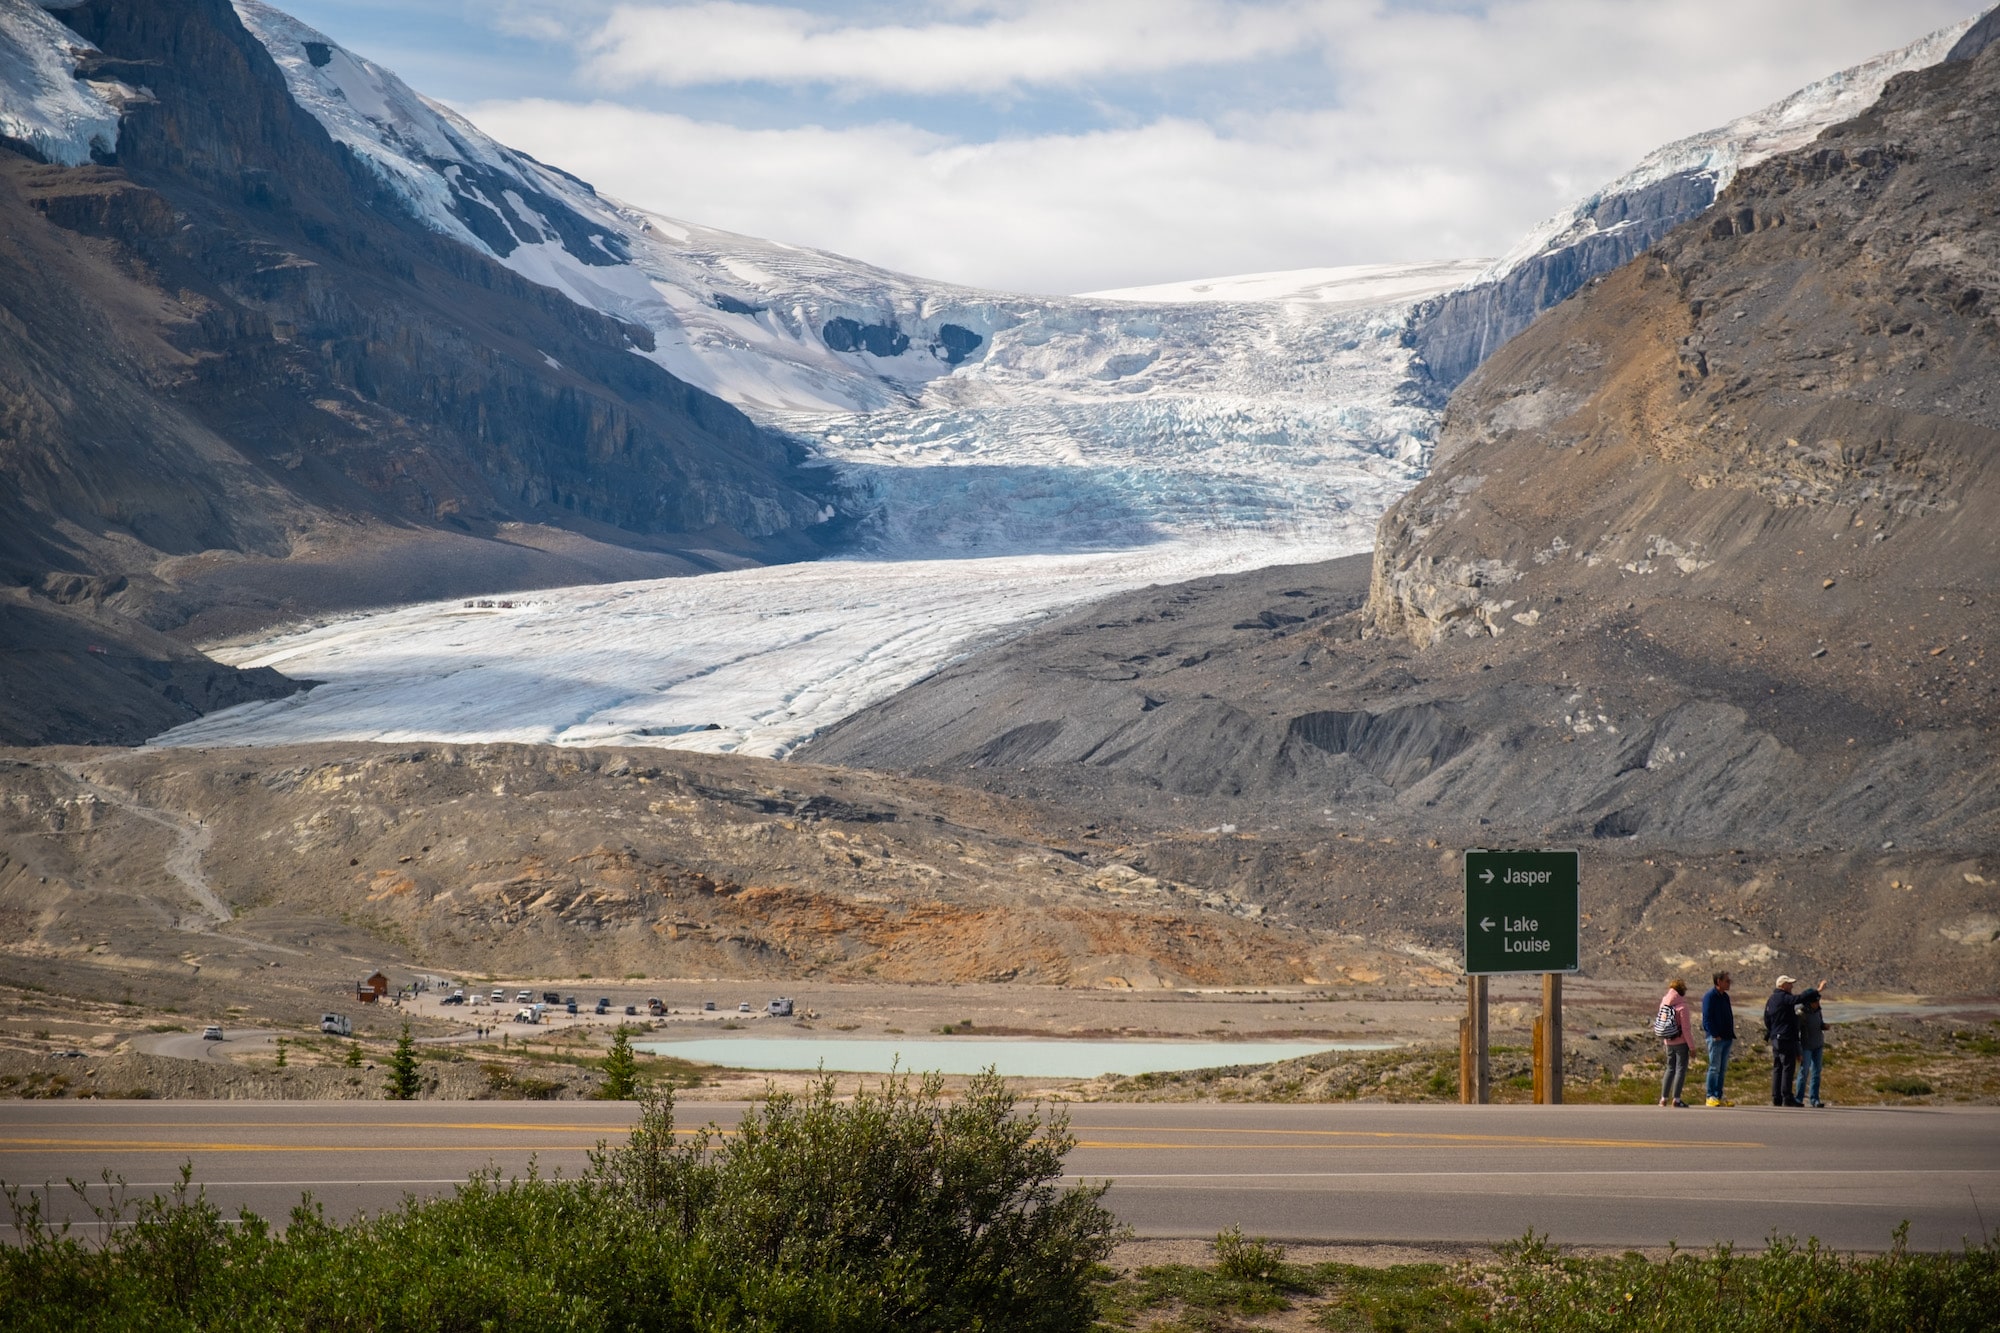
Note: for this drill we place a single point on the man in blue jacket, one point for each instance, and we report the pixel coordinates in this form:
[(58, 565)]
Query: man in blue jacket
[(1781, 1026), (1718, 1020)]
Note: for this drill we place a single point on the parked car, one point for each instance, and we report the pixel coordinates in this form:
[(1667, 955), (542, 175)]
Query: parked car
[(571, 1006), (743, 1007), (337, 1024), (499, 997), (779, 1008), (631, 1009), (656, 1006), (525, 1016), (453, 999), (604, 1004), (211, 1033), (525, 997), (551, 997), (708, 1006)]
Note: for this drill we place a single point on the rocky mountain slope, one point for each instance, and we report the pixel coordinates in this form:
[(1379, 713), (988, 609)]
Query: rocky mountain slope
[(1707, 562), (1458, 330), (238, 384)]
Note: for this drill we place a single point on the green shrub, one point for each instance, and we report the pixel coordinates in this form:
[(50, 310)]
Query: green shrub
[(1789, 1288), (893, 1211), (1241, 1260), (1905, 1085)]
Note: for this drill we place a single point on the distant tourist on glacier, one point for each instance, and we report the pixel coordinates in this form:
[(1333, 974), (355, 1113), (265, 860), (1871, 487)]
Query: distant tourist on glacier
[(1812, 1047), (1674, 1028), (1718, 1022), (1781, 1029)]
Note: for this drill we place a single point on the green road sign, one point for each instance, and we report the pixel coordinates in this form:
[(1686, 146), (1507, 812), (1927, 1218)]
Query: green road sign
[(1522, 912)]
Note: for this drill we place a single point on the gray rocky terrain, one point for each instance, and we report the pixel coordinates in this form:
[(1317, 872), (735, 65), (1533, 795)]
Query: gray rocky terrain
[(1703, 580)]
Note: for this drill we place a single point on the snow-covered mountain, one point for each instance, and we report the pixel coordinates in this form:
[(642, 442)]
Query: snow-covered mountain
[(969, 421), (1457, 331)]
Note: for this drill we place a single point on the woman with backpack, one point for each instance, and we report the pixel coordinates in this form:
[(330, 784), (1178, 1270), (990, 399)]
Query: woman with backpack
[(1672, 1026)]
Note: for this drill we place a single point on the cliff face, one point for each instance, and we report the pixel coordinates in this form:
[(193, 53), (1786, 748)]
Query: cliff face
[(1456, 332), (239, 385), (1815, 357)]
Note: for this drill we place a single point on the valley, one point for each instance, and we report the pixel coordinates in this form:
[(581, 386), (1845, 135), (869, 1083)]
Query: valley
[(507, 582)]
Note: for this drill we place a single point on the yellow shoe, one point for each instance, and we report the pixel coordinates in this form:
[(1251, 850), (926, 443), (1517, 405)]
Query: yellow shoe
[(1715, 1101)]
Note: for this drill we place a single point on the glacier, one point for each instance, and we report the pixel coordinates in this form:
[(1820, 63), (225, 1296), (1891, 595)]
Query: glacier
[(1004, 456), (751, 661)]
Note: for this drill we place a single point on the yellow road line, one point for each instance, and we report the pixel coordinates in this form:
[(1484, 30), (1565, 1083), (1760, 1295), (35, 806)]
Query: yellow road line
[(1561, 1141), (164, 1145), (365, 1125)]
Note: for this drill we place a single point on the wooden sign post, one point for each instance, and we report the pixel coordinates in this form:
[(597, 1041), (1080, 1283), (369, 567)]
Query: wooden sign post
[(1523, 914)]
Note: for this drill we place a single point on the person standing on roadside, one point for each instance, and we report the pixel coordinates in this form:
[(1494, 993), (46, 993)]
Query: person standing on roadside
[(1781, 1029), (1675, 1029), (1812, 1047), (1718, 1021)]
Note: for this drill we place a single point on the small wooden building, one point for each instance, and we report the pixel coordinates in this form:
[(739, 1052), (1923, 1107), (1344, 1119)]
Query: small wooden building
[(371, 989)]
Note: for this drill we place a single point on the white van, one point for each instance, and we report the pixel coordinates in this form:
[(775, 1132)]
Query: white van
[(337, 1024)]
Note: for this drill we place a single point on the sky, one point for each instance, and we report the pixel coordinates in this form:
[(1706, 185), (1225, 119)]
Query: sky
[(1078, 145)]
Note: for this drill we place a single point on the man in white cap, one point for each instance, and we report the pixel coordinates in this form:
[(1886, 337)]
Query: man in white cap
[(1781, 1029)]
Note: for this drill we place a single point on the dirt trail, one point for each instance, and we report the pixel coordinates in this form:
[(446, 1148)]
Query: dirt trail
[(191, 841)]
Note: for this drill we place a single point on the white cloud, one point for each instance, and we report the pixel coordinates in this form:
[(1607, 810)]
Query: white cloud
[(1442, 135), (688, 45)]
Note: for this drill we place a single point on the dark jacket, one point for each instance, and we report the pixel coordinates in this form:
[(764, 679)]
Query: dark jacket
[(1781, 1018), (1718, 1017), (1812, 1022)]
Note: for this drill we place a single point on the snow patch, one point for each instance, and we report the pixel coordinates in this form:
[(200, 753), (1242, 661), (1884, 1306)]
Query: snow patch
[(42, 102)]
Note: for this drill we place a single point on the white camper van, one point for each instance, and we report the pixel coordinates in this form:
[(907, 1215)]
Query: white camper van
[(337, 1024)]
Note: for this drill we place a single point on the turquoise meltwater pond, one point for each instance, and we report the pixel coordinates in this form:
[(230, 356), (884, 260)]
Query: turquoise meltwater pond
[(1019, 1057)]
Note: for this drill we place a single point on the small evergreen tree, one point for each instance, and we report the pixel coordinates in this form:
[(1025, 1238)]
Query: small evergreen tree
[(354, 1055), (403, 1084), (621, 1070), (281, 1052)]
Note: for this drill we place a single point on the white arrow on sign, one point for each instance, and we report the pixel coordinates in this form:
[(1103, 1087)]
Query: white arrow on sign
[(1486, 923), (1485, 877)]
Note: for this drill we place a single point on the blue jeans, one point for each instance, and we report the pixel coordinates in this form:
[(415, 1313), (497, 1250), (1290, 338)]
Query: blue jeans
[(1809, 1063), (1718, 1063)]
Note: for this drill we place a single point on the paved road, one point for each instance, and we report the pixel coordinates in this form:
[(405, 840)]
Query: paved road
[(194, 1046), (1597, 1175)]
